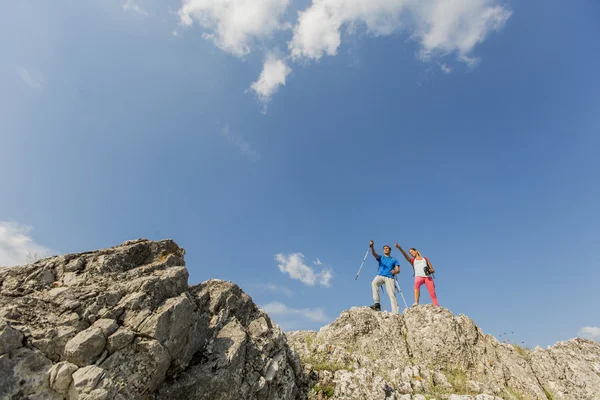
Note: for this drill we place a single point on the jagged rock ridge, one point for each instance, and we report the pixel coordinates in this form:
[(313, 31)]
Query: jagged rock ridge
[(429, 353), (122, 323)]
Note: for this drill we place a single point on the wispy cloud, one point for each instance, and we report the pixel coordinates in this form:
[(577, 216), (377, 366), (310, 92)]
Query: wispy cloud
[(446, 69), (133, 6), (271, 287), (590, 332), (294, 318), (32, 78), (242, 145), (293, 264), (17, 247)]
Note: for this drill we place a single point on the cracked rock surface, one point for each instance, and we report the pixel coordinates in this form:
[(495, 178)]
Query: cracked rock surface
[(428, 353), (122, 323)]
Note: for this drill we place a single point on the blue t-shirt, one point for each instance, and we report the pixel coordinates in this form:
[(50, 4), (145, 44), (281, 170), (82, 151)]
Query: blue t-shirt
[(386, 265)]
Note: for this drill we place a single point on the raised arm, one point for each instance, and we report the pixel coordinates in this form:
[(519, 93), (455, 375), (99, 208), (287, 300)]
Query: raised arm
[(371, 243), (404, 253)]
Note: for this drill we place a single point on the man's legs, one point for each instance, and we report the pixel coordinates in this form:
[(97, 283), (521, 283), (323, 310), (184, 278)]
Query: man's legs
[(377, 281), (391, 291), (431, 288)]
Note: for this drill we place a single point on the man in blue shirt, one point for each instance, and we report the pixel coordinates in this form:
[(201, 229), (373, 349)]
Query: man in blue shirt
[(388, 267)]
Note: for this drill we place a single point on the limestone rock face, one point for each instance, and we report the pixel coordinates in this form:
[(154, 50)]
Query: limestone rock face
[(429, 353), (122, 323)]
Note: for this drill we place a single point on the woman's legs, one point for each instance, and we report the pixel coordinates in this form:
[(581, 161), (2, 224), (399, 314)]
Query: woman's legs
[(418, 282), (431, 288)]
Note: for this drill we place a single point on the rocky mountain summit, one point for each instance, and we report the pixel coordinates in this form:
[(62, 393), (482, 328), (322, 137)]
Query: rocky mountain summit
[(122, 323), (428, 353)]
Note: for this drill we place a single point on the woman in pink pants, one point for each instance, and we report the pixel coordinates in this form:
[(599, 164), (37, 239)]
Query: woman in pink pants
[(423, 271)]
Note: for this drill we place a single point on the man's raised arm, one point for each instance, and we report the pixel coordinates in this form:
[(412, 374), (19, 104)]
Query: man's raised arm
[(371, 243)]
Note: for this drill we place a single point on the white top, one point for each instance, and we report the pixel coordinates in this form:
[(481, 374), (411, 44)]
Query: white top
[(420, 267)]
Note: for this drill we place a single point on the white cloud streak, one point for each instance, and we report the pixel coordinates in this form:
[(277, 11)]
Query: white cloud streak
[(235, 25), (293, 264), (33, 79), (276, 309), (131, 5), (242, 145), (16, 245), (279, 289), (273, 75), (590, 332), (446, 69)]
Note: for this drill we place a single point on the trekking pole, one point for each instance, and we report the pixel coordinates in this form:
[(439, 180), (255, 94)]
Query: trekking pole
[(400, 290), (362, 263)]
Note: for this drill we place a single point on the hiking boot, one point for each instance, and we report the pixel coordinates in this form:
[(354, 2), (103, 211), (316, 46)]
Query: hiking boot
[(375, 307)]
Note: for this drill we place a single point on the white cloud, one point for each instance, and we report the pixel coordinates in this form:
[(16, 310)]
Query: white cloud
[(17, 247), (440, 26), (242, 145), (32, 78), (131, 5), (273, 75), (317, 262), (293, 264), (590, 332), (445, 68), (235, 25), (446, 26), (271, 287), (276, 309)]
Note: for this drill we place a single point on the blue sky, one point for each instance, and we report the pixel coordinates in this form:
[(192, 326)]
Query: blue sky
[(273, 145)]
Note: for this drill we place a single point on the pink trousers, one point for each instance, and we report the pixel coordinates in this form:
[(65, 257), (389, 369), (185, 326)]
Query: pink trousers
[(428, 281)]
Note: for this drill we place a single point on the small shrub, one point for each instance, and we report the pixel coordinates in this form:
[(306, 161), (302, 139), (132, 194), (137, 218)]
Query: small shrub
[(458, 379), (548, 394), (321, 365), (309, 341), (327, 390), (523, 351)]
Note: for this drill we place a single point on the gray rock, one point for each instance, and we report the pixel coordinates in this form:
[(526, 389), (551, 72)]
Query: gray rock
[(107, 326), (25, 374), (61, 376), (85, 381), (10, 338), (121, 338), (96, 394), (85, 348), (434, 353), (129, 311), (141, 366)]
